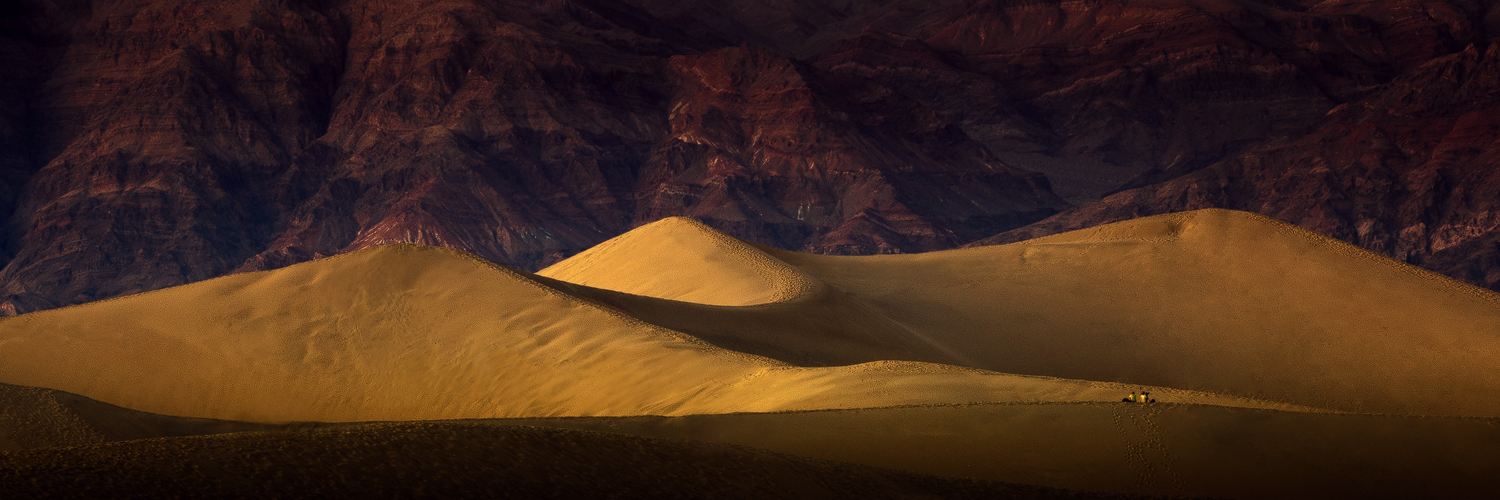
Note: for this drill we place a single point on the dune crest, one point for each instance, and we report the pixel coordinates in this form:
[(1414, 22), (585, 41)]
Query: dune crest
[(681, 259)]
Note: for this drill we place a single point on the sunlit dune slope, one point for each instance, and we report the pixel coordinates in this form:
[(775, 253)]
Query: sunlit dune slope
[(1162, 449), (682, 275), (1210, 302), (681, 259), (1213, 300), (398, 332), (406, 333)]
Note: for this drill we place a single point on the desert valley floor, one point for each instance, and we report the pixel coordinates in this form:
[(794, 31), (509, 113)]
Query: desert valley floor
[(675, 361)]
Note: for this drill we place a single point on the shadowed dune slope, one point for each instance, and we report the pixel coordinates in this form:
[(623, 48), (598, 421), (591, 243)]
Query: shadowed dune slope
[(1213, 300), (409, 333), (1161, 449), (461, 460), (32, 417), (705, 267), (822, 327)]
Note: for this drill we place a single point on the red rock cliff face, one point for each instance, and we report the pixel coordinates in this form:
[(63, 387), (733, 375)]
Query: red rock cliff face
[(509, 130), (772, 149), (173, 141), (1409, 172), (1367, 121), (525, 138), (150, 143), (1105, 95), (156, 130)]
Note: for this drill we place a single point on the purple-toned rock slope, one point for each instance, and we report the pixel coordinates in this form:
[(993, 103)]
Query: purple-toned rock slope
[(150, 143)]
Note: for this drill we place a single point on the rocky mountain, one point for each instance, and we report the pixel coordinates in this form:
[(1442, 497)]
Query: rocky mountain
[(151, 143), (1409, 172), (158, 143), (1099, 93)]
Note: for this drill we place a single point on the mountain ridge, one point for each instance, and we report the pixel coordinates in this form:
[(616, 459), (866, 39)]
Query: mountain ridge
[(163, 142)]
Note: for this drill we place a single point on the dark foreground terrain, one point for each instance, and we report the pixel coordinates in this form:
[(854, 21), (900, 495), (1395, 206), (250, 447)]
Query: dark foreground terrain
[(462, 460), (74, 447)]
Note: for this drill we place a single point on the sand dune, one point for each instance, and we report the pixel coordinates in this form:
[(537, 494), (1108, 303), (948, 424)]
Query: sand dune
[(398, 332), (409, 333), (681, 259), (1209, 307), (1214, 300), (1279, 356), (820, 327)]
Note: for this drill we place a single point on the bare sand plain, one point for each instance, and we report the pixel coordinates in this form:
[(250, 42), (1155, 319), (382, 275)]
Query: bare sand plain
[(1284, 363)]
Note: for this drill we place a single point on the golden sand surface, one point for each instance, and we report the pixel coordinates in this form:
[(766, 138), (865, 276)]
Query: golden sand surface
[(681, 259), (410, 333), (390, 333), (1213, 300), (1217, 301), (1278, 356)]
